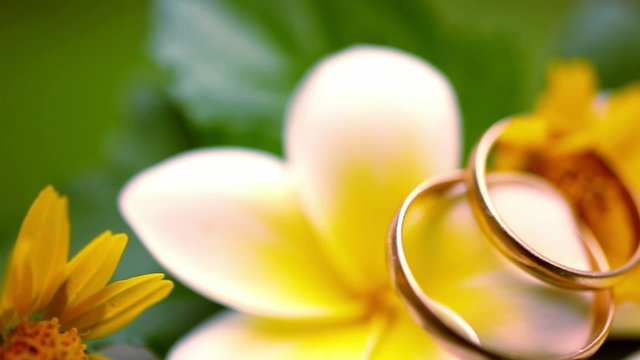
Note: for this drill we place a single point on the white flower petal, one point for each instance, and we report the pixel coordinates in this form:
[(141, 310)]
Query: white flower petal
[(235, 336), (364, 128), (227, 223)]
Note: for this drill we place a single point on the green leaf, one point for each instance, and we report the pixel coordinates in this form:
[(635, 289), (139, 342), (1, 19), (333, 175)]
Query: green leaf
[(233, 64), (62, 70), (226, 74)]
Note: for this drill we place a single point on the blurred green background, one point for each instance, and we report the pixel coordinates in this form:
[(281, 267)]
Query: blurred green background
[(92, 92)]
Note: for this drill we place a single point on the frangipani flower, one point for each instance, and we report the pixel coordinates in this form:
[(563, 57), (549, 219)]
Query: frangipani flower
[(50, 307), (571, 117), (297, 247)]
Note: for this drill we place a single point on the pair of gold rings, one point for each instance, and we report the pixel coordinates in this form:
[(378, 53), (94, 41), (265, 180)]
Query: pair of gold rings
[(600, 201)]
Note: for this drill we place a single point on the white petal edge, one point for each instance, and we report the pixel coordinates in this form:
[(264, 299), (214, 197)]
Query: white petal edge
[(226, 223), (237, 336), (364, 127)]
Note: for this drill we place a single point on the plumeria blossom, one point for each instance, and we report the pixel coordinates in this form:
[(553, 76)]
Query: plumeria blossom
[(571, 116), (50, 306), (296, 246)]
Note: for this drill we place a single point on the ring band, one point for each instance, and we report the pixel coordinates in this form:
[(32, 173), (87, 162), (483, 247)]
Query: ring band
[(595, 192), (427, 312)]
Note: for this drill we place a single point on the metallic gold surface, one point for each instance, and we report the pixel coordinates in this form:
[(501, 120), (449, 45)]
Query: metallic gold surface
[(597, 195), (459, 337)]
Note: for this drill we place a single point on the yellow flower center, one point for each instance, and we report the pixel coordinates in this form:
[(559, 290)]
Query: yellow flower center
[(381, 301), (42, 340)]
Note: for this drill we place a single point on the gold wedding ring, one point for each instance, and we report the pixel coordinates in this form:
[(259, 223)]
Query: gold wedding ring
[(460, 339), (597, 195)]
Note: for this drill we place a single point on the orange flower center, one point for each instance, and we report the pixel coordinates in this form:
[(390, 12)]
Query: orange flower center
[(42, 340)]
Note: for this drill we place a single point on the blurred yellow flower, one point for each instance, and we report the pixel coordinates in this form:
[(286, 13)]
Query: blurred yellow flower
[(49, 307), (570, 117), (297, 247)]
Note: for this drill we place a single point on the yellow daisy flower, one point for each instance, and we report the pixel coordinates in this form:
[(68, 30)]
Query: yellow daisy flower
[(50, 306), (572, 117), (296, 247)]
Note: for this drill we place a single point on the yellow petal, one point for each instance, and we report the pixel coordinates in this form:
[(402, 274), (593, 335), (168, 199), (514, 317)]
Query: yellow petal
[(567, 103), (52, 252), (18, 292), (40, 252), (507, 308), (404, 339), (228, 223), (525, 131), (365, 127), (235, 336), (91, 269), (47, 227), (617, 132), (628, 290), (116, 305), (520, 136)]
